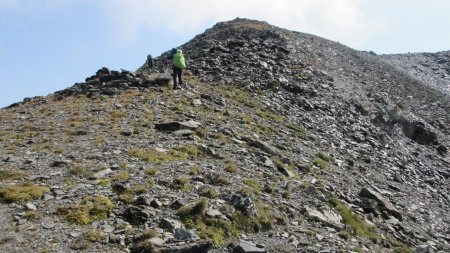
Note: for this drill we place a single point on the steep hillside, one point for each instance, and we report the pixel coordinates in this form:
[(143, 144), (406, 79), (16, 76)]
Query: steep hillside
[(279, 142)]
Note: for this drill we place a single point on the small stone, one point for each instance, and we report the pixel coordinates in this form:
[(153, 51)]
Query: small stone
[(196, 102), (156, 241), (319, 237), (115, 167), (423, 249), (144, 200), (155, 203), (37, 177), (268, 162), (213, 213), (185, 234), (101, 173), (138, 215), (48, 225), (184, 132), (60, 163), (115, 239), (170, 224), (107, 228), (75, 234), (285, 171), (48, 197), (120, 187), (326, 216), (58, 192), (127, 132), (245, 204), (21, 221), (30, 207)]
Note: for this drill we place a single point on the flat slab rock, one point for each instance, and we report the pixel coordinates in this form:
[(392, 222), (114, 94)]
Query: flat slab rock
[(176, 126), (325, 216), (382, 201), (247, 247), (201, 247)]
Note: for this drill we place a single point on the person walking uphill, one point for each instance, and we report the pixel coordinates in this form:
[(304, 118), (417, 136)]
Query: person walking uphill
[(179, 63)]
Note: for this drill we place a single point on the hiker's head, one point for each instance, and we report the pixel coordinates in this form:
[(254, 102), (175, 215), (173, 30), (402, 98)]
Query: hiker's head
[(180, 51)]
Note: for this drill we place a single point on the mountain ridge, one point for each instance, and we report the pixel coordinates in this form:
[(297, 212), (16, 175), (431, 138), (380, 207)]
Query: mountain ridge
[(280, 142)]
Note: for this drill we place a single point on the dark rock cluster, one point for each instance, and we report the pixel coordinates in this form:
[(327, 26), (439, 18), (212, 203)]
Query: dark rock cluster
[(109, 83)]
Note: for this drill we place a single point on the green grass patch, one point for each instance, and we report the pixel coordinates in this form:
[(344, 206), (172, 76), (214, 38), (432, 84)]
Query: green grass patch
[(187, 152), (321, 163), (181, 183), (398, 247), (326, 157), (151, 171), (120, 176), (354, 222), (270, 116), (78, 170), (94, 235), (217, 179), (298, 131), (12, 174), (252, 183), (194, 170), (209, 192), (89, 210), (230, 167), (22, 192), (219, 231)]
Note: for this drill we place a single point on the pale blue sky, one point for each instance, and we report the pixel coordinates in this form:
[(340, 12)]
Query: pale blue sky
[(48, 45)]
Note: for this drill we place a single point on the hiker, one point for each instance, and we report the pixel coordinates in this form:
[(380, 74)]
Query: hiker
[(169, 57), (178, 64), (149, 62)]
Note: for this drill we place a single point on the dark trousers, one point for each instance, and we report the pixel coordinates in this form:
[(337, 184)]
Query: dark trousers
[(177, 73)]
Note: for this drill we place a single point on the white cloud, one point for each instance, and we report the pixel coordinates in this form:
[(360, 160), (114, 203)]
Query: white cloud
[(341, 20)]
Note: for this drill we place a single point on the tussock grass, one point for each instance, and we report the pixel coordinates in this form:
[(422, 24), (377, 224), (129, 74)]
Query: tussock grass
[(252, 183), (22, 192), (12, 174), (230, 167), (209, 192), (219, 231), (181, 183), (321, 163), (270, 116), (355, 224), (187, 152), (89, 210)]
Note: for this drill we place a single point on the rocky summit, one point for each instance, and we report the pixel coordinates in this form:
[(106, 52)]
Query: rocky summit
[(279, 141)]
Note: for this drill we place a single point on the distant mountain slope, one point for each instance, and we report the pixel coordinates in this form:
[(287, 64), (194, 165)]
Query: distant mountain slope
[(431, 68)]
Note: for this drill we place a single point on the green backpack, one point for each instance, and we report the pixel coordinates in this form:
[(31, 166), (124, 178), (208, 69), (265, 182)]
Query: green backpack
[(179, 61)]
